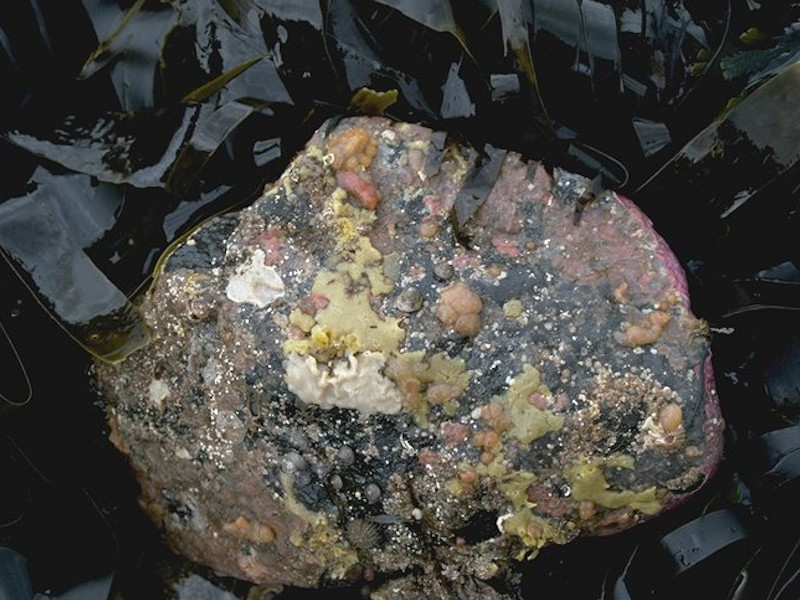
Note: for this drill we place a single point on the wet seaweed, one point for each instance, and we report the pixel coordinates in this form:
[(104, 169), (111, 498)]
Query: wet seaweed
[(43, 237), (182, 109), (481, 177)]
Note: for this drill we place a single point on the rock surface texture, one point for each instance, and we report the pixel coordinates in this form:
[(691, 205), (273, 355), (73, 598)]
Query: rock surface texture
[(414, 360)]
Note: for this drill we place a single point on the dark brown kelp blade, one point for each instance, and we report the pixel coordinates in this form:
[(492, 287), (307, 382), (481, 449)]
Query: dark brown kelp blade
[(308, 11), (236, 9), (664, 568), (430, 13), (667, 36), (136, 148), (232, 62), (481, 178), (110, 46), (760, 135), (15, 582), (212, 130), (514, 18), (362, 63), (782, 377), (589, 27), (130, 48), (14, 579), (723, 187), (778, 456), (433, 14), (36, 496), (43, 236), (750, 295)]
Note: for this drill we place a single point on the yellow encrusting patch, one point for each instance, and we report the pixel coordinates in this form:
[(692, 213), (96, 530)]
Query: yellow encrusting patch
[(349, 222), (425, 380), (589, 483), (348, 324), (528, 423)]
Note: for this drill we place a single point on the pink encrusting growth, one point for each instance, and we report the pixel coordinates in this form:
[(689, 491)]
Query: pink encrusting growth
[(359, 188)]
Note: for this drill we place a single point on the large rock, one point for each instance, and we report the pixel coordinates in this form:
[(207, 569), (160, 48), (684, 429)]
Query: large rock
[(408, 357)]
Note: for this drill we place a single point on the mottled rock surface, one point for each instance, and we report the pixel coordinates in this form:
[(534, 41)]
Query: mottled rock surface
[(409, 358)]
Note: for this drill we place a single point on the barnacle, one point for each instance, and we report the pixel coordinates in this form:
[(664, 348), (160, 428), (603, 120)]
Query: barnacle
[(363, 534)]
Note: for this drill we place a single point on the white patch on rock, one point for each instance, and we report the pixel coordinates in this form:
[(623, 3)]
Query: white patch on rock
[(255, 283), (355, 382), (157, 392), (502, 519)]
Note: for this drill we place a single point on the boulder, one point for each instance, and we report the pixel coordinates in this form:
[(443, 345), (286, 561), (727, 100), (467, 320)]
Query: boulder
[(417, 359)]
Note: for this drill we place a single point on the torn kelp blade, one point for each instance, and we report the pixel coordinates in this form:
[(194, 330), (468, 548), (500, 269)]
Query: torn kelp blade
[(782, 376), (137, 148), (43, 236), (209, 53), (15, 582), (760, 135), (773, 462), (129, 51), (212, 129), (672, 566), (482, 172), (365, 394), (363, 63), (60, 513)]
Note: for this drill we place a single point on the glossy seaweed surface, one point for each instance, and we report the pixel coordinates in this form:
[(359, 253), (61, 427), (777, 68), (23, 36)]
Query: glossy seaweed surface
[(125, 123)]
